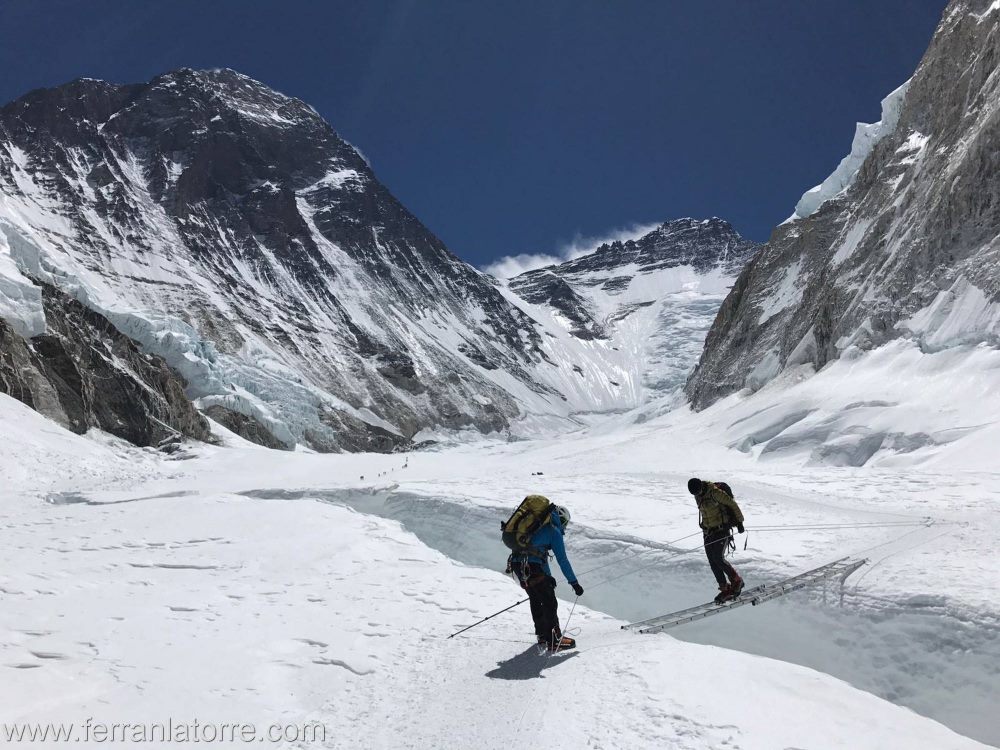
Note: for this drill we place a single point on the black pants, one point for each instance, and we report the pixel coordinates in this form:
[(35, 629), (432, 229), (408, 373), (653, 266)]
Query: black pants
[(716, 542), (541, 590)]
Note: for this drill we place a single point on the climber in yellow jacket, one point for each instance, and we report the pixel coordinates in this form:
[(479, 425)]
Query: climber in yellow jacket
[(718, 513)]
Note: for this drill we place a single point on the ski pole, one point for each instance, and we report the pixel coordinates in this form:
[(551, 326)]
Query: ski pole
[(487, 618)]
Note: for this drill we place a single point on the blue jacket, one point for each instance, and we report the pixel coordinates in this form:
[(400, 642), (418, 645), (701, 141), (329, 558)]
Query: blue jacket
[(550, 537)]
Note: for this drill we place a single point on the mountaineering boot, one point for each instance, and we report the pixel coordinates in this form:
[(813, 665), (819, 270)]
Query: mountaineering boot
[(735, 588), (563, 643), (723, 595)]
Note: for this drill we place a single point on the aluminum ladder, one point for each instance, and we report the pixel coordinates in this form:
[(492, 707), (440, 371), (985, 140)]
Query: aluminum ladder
[(757, 595)]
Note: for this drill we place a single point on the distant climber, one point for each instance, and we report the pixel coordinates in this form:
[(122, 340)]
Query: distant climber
[(718, 513), (533, 530)]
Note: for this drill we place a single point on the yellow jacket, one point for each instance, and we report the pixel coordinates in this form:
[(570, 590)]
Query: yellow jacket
[(716, 508)]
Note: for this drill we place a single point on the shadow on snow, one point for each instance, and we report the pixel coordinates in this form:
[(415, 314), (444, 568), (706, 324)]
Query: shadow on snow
[(527, 665)]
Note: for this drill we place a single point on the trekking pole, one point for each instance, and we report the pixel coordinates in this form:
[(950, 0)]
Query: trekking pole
[(487, 618), (571, 609)]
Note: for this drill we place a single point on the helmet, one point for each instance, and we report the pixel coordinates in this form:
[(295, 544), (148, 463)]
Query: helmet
[(563, 515), (695, 485)]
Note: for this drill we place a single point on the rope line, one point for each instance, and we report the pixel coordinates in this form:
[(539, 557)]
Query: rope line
[(881, 560), (835, 526), (924, 523), (631, 641), (637, 552), (927, 522)]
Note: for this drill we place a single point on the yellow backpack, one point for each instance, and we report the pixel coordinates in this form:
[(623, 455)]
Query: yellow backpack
[(534, 512)]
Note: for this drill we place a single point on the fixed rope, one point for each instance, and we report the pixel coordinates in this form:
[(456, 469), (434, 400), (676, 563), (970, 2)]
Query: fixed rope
[(926, 522)]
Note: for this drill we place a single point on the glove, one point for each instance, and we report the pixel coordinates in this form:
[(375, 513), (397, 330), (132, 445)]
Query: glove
[(577, 588), (739, 528)]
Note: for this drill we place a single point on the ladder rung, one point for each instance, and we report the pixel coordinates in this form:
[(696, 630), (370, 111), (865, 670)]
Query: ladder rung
[(757, 595)]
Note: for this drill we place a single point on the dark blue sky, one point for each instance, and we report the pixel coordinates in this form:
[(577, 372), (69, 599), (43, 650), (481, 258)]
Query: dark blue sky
[(513, 127)]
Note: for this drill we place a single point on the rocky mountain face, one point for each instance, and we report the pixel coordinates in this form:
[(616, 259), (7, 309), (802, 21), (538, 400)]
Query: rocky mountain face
[(703, 244), (635, 313), (903, 240), (229, 230), (83, 373)]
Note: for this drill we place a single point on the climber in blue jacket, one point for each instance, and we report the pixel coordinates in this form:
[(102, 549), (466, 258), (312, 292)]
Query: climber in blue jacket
[(532, 570)]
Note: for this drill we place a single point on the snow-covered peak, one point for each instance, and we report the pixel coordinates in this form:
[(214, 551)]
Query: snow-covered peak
[(866, 137), (228, 228), (223, 90)]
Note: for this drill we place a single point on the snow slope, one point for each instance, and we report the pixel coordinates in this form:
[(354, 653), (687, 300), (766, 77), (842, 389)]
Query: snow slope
[(896, 406), (242, 585), (625, 323)]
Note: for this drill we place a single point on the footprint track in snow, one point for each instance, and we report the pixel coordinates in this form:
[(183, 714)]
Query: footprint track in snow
[(311, 642), (323, 661), (48, 655)]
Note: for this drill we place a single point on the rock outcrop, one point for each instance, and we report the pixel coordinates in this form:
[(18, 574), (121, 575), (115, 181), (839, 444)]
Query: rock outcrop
[(905, 242)]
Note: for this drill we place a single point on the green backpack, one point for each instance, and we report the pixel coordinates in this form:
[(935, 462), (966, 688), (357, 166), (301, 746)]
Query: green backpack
[(727, 515), (534, 512)]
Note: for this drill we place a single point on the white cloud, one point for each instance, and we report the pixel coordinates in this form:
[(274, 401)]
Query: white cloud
[(512, 265)]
